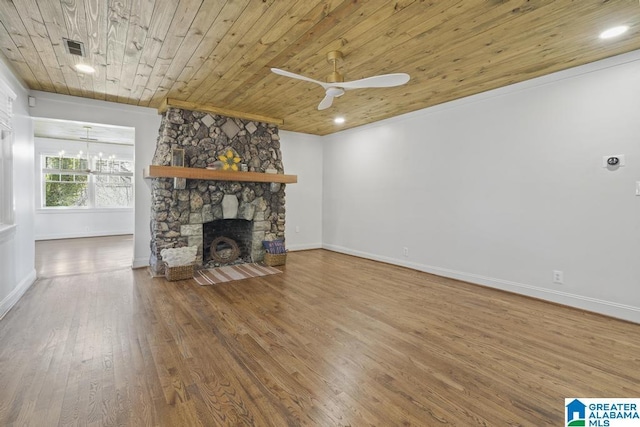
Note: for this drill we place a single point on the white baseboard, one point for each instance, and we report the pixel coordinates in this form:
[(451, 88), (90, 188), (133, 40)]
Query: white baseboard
[(83, 234), (140, 262), (304, 247), (608, 308), (17, 293)]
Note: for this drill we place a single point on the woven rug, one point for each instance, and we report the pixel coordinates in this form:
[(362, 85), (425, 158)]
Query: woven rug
[(213, 276)]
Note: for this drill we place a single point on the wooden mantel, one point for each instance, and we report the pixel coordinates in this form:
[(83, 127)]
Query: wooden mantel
[(156, 171)]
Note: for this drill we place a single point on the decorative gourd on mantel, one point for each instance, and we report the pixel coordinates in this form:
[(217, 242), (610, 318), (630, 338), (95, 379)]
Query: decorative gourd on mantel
[(157, 171)]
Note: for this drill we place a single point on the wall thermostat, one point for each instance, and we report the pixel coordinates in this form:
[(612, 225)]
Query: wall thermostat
[(613, 161)]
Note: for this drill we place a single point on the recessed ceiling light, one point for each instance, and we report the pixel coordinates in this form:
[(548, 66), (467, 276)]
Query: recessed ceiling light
[(614, 32), (84, 68), (338, 120)]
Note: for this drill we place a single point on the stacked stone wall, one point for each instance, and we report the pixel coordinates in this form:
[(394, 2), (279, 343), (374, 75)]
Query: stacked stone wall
[(178, 215)]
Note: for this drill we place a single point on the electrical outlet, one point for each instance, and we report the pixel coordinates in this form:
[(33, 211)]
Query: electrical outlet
[(405, 251), (558, 277), (297, 228)]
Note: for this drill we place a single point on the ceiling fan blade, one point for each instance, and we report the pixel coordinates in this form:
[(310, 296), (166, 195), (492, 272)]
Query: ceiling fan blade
[(326, 102), (385, 80), (299, 77)]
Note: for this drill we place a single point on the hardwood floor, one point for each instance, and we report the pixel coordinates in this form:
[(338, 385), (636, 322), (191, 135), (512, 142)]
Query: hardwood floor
[(83, 255), (332, 341)]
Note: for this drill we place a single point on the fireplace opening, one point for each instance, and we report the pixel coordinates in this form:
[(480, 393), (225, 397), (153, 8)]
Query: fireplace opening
[(226, 242)]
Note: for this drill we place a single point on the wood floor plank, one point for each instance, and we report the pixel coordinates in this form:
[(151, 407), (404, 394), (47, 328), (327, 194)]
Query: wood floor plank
[(332, 341)]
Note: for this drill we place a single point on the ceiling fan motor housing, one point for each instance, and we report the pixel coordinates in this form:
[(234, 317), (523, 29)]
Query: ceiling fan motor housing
[(334, 57), (335, 77)]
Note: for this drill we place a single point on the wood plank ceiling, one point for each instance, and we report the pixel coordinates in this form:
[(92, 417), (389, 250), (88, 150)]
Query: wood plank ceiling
[(219, 52)]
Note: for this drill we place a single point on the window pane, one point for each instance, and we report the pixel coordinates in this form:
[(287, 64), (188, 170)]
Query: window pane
[(113, 194), (52, 162), (67, 163), (70, 194)]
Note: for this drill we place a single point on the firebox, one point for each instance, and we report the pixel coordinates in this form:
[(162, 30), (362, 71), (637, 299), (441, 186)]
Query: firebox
[(226, 242)]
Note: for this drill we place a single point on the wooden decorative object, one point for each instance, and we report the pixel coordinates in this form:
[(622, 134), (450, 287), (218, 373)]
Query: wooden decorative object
[(156, 171), (177, 160), (229, 251)]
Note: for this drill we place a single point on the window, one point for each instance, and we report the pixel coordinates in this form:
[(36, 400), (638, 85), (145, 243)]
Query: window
[(78, 182), (115, 187), (66, 182), (6, 162)]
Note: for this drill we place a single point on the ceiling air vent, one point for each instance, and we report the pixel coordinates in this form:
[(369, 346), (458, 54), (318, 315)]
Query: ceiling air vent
[(73, 47)]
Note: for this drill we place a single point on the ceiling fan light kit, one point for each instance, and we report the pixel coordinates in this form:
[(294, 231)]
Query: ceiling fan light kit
[(335, 86)]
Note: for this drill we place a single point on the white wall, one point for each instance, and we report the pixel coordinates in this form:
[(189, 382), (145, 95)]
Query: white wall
[(17, 256), (146, 121), (502, 188), (302, 156)]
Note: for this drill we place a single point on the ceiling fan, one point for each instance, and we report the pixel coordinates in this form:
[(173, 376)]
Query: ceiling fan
[(336, 86)]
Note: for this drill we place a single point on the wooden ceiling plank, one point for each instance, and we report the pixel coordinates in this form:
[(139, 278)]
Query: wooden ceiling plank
[(13, 24), (289, 103), (243, 24), (75, 20), (495, 44), (466, 56), (54, 22), (323, 28), (451, 48), (139, 23), (320, 10), (485, 35), (207, 14), (446, 17), (259, 70), (161, 20), (384, 20), (470, 81), (34, 24), (188, 79), (96, 16), (387, 40), (117, 28), (178, 30), (254, 63), (521, 69), (327, 29), (12, 53), (249, 48)]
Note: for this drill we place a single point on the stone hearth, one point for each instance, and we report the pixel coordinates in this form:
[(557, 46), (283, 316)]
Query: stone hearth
[(178, 215)]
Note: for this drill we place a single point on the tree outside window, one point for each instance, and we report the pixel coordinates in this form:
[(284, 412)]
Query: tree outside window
[(68, 182)]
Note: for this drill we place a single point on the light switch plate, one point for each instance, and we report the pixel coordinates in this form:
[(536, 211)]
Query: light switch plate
[(637, 188)]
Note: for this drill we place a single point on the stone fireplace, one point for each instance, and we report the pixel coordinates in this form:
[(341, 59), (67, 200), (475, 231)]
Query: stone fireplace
[(234, 216)]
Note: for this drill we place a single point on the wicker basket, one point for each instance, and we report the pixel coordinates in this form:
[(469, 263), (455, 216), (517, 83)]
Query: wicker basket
[(275, 259), (182, 272)]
